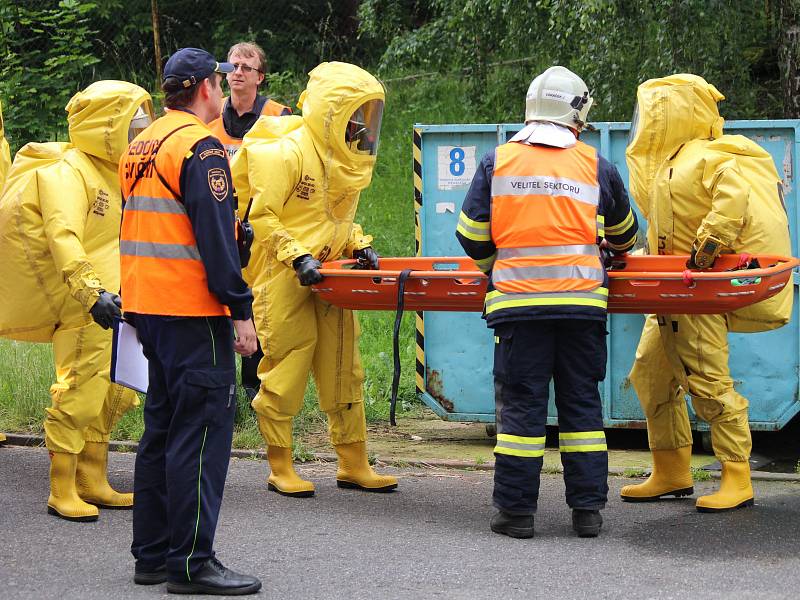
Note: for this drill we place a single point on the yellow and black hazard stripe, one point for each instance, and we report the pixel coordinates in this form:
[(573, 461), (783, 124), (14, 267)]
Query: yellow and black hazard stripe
[(420, 323)]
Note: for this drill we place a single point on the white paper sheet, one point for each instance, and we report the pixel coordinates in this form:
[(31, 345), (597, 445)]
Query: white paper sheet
[(128, 364)]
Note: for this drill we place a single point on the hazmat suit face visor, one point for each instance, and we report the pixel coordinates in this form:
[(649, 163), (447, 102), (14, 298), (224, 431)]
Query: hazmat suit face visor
[(142, 119), (363, 129), (634, 124)]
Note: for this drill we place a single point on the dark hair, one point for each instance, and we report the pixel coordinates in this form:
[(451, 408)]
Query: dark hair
[(177, 96)]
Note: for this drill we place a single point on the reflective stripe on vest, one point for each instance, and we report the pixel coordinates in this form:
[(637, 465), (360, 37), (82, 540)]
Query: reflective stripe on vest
[(497, 300), (232, 144), (545, 222), (162, 271)]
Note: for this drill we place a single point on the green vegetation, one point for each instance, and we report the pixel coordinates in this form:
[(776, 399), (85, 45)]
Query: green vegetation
[(634, 472), (699, 474)]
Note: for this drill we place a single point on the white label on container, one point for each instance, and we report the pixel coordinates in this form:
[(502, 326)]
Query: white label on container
[(456, 166), (445, 207)]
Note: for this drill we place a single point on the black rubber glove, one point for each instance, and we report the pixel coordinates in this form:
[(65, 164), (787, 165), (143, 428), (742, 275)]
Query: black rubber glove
[(106, 309), (690, 264), (307, 269), (367, 258), (244, 240)]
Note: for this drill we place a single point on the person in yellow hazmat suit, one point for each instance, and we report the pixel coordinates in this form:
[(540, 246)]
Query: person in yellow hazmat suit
[(5, 164), (304, 175), (702, 193), (59, 238)]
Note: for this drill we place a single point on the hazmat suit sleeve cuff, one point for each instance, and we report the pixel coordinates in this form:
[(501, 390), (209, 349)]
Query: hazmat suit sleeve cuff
[(726, 230), (289, 249), (358, 240), (83, 283)]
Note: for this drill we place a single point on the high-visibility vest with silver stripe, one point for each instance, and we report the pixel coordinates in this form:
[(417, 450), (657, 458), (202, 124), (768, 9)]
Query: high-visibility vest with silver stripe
[(162, 272), (545, 225)]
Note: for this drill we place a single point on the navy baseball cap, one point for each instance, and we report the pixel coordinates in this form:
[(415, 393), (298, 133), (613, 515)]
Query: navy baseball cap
[(191, 65)]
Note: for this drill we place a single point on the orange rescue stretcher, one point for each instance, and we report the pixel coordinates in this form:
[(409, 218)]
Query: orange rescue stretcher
[(637, 284)]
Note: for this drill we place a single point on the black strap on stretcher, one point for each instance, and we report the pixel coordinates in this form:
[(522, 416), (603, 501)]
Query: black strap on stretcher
[(401, 288)]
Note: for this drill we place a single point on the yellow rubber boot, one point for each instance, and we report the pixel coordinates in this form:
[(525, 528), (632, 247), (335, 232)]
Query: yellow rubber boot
[(735, 489), (283, 478), (354, 470), (64, 501), (671, 476), (91, 479)]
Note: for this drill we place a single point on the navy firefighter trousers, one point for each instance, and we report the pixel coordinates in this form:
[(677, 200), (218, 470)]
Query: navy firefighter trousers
[(527, 355), (183, 456)]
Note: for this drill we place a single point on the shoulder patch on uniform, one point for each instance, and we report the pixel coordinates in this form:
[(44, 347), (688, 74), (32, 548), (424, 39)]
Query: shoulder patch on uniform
[(212, 152), (218, 183)]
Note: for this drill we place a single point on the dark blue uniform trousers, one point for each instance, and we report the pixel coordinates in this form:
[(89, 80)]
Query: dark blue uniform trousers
[(183, 456), (528, 354)]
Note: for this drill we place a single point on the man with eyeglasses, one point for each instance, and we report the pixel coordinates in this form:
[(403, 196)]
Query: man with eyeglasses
[(240, 111)]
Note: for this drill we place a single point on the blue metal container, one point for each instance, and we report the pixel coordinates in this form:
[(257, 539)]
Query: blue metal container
[(454, 350)]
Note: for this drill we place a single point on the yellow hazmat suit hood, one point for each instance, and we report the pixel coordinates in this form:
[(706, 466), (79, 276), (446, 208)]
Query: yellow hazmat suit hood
[(669, 112), (334, 91), (100, 115), (301, 175), (60, 216)]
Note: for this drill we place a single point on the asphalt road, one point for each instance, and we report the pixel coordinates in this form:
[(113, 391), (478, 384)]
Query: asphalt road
[(430, 539)]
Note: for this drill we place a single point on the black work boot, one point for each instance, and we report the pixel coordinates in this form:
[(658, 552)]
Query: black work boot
[(586, 523), (216, 579), (516, 526), (149, 576)]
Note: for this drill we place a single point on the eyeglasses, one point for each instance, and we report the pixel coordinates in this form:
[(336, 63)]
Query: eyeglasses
[(245, 68)]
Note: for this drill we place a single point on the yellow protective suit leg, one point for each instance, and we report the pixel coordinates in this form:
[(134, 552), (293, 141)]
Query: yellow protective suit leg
[(700, 344), (671, 476), (338, 373), (64, 501), (354, 470), (82, 357), (340, 378), (659, 392), (91, 478), (286, 326), (283, 478), (117, 402), (735, 490)]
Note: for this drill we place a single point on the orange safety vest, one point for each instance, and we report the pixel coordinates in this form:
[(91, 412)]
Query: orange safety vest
[(232, 144), (544, 222), (162, 273)]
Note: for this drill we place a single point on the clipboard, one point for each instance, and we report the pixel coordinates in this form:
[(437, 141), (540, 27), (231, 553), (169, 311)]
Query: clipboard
[(129, 366)]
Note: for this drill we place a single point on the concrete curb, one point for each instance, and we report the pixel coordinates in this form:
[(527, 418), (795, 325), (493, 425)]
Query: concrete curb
[(14, 439)]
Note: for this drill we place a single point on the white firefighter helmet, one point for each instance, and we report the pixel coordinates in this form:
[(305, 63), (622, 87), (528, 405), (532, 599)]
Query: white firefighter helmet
[(558, 96)]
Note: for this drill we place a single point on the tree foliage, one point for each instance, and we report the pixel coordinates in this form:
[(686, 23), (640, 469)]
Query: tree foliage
[(750, 49), (37, 79), (613, 44)]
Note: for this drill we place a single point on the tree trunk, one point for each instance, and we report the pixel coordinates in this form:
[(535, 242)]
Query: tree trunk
[(787, 22)]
